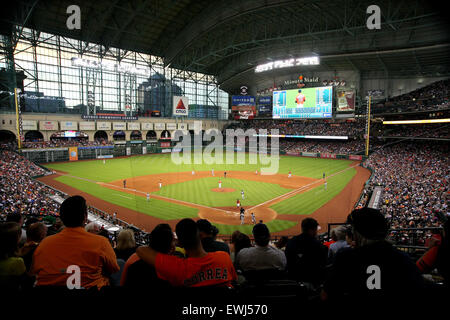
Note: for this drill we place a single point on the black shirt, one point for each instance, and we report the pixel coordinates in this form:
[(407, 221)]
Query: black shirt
[(349, 276), (210, 245), (306, 258)]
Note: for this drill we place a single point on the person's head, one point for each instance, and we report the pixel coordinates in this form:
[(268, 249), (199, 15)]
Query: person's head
[(368, 226), (338, 233), (205, 228), (310, 226), (188, 234), (15, 217), (10, 233), (125, 239), (73, 212), (281, 243), (36, 232), (215, 232), (92, 227), (261, 234), (242, 241), (234, 236), (161, 238), (299, 91)]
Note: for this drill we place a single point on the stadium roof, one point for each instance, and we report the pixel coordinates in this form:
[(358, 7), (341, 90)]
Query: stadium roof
[(229, 38)]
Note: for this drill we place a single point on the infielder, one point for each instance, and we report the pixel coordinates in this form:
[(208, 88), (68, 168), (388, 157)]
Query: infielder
[(290, 174), (160, 184), (193, 172), (242, 215), (220, 184), (242, 194), (148, 197), (325, 184), (212, 172), (238, 203), (253, 218), (124, 184)]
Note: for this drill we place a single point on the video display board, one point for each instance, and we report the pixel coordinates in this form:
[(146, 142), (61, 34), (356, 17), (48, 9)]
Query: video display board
[(303, 103)]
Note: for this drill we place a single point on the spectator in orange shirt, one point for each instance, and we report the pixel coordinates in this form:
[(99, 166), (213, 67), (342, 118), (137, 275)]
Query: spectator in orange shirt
[(92, 253), (200, 268)]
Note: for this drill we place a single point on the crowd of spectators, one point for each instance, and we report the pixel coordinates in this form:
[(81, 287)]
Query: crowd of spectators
[(435, 96), (305, 127), (419, 131), (322, 146), (60, 143), (414, 177)]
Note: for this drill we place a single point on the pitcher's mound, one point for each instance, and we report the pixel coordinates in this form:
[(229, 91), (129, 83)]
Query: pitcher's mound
[(223, 190)]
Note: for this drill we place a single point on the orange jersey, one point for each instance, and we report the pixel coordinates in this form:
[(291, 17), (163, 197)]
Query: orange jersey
[(300, 99), (428, 260), (215, 268), (74, 246)]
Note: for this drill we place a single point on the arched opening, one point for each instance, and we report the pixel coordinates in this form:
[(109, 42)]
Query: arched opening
[(34, 136), (101, 136), (119, 136), (151, 135), (165, 135), (7, 136), (136, 135)]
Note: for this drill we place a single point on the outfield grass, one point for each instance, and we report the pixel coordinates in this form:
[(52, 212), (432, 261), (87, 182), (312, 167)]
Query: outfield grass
[(123, 168), (200, 192), (311, 200)]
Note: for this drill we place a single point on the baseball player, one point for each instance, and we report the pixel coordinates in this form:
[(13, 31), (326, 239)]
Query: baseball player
[(160, 183), (104, 161), (225, 174), (325, 185), (253, 218), (148, 197), (242, 215), (290, 174), (242, 194), (238, 203), (124, 184), (256, 172), (212, 172), (323, 176), (300, 99), (193, 172), (220, 184)]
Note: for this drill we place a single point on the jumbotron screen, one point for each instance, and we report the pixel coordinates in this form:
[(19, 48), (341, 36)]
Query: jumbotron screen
[(303, 103)]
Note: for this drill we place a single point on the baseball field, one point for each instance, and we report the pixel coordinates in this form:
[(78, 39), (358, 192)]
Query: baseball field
[(158, 191)]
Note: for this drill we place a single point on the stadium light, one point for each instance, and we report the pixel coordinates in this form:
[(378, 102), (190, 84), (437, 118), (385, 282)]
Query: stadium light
[(417, 121)]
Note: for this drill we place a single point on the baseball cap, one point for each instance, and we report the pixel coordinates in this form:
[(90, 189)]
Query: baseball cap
[(205, 226), (260, 231), (370, 223)]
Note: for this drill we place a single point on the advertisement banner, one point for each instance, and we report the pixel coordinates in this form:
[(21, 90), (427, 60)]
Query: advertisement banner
[(147, 126), (103, 125), (180, 106), (134, 126), (354, 157), (243, 112), (309, 154), (243, 101), (265, 109), (73, 153), (144, 150), (328, 155), (346, 101), (119, 126), (171, 126), (165, 144), (68, 125), (290, 153), (265, 100), (48, 125), (160, 126), (166, 150), (128, 150), (29, 125), (108, 156), (87, 126)]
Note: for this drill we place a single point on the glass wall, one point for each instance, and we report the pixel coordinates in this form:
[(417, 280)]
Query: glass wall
[(115, 78)]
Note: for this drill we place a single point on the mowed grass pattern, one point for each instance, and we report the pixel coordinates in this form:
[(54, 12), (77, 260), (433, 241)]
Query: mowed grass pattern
[(156, 208), (309, 201), (200, 191), (123, 168)]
